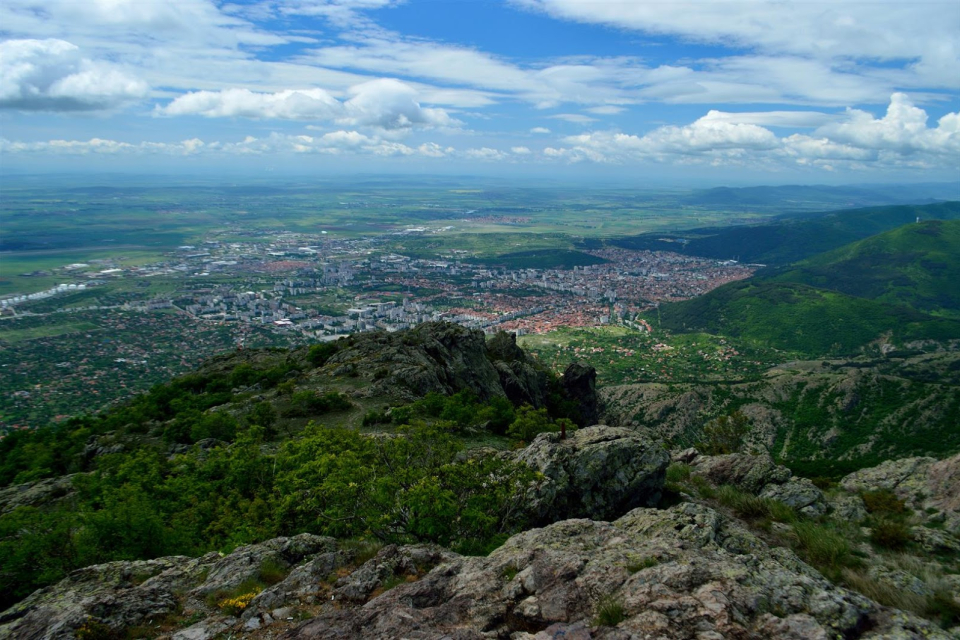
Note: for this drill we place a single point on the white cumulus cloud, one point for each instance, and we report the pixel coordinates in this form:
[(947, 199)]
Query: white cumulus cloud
[(52, 75), (383, 103)]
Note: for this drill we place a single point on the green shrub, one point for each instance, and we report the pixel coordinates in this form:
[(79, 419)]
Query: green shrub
[(726, 434), (318, 354), (307, 403), (678, 472), (373, 417), (883, 501), (529, 423), (890, 534)]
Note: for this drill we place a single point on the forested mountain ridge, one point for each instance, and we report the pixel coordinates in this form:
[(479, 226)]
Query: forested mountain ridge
[(917, 265)]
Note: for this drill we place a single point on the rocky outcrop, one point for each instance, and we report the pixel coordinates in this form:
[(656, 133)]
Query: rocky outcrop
[(926, 485), (685, 572), (31, 494), (599, 472), (760, 475), (120, 595), (580, 384), (745, 471)]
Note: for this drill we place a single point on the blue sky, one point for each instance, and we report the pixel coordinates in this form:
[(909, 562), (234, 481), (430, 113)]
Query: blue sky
[(705, 91)]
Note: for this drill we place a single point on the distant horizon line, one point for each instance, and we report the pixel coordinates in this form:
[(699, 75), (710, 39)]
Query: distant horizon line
[(225, 178)]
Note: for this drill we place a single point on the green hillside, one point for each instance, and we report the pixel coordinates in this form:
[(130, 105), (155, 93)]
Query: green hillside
[(916, 264), (800, 318), (790, 240)]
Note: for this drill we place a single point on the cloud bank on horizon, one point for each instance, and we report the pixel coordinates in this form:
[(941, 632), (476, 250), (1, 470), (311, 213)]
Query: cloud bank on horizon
[(854, 90)]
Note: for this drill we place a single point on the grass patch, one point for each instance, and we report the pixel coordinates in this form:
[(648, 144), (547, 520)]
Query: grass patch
[(361, 550), (751, 507), (272, 571), (825, 547), (610, 612), (636, 564), (678, 472), (703, 487)]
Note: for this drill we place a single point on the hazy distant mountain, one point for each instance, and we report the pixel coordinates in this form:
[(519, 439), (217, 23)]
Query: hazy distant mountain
[(821, 195), (792, 239)]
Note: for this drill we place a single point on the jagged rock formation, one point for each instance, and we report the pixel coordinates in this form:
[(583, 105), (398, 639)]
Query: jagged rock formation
[(439, 357), (599, 472), (683, 572), (122, 594), (522, 380)]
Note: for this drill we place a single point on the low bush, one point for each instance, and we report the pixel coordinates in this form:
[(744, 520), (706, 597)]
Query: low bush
[(891, 534), (883, 501)]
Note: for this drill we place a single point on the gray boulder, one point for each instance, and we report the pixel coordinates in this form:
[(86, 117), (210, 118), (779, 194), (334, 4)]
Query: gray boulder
[(848, 508), (745, 471), (37, 493), (599, 472), (799, 493)]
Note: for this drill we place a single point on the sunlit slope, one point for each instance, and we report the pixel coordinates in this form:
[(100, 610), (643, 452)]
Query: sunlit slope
[(790, 240), (917, 265), (800, 318)]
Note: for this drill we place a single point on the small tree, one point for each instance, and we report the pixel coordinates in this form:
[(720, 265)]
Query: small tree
[(726, 434)]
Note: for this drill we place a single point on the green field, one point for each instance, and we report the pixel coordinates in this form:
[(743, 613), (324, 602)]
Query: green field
[(14, 336)]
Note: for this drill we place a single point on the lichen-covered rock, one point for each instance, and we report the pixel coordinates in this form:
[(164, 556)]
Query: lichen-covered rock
[(122, 594), (923, 483), (745, 471), (848, 508), (684, 572), (799, 493), (246, 562), (117, 594), (390, 562), (599, 472), (30, 494)]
